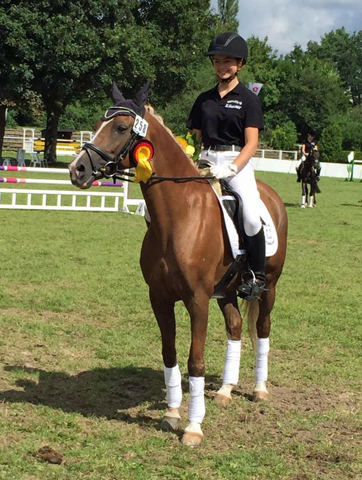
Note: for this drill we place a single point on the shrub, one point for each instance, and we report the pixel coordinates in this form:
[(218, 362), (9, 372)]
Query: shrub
[(331, 143), (284, 136)]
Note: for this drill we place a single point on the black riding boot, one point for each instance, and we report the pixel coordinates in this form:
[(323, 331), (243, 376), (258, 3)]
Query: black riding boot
[(254, 280), (299, 177)]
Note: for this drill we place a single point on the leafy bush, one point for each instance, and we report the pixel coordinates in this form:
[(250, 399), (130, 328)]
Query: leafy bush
[(284, 136), (331, 143)]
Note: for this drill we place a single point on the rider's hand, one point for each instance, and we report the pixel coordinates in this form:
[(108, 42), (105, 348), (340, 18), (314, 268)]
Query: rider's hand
[(224, 171)]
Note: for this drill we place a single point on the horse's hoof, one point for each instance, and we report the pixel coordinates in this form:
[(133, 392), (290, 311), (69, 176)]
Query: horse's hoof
[(192, 439), (260, 396), (169, 424), (302, 206), (222, 400)]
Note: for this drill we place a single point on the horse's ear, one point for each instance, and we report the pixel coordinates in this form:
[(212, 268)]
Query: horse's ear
[(142, 96), (117, 95)]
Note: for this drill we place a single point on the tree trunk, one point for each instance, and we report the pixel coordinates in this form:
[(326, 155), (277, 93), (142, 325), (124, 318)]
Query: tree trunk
[(51, 130), (2, 127)]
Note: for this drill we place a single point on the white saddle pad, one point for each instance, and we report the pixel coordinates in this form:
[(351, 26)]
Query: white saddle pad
[(270, 233)]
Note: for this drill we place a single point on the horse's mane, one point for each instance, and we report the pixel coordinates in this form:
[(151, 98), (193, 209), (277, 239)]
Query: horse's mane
[(160, 120)]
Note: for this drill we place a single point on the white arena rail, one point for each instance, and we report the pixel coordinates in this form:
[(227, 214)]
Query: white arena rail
[(17, 196), (75, 199)]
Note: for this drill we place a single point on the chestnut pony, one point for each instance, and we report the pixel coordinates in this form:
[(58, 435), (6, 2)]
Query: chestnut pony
[(185, 251)]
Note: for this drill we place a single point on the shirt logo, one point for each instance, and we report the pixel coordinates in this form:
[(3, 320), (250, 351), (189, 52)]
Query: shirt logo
[(234, 104)]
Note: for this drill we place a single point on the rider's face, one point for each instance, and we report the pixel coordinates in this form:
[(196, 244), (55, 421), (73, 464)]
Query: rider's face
[(225, 67)]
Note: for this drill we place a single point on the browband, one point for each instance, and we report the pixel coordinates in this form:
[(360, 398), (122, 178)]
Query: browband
[(115, 111)]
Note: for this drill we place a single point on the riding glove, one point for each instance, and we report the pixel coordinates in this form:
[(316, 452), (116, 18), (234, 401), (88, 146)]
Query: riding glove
[(224, 171)]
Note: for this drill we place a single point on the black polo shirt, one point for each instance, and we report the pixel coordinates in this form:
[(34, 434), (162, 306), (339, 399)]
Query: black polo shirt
[(222, 121), (309, 146)]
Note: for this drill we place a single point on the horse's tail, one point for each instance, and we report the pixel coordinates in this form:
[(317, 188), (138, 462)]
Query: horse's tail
[(251, 312)]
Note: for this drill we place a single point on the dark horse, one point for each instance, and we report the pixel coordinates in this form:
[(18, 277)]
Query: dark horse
[(185, 251), (310, 174)]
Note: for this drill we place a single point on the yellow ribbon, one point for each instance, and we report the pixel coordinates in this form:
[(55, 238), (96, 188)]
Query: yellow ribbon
[(143, 171)]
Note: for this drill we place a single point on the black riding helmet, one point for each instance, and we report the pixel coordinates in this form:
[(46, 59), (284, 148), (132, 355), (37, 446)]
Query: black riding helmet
[(230, 45)]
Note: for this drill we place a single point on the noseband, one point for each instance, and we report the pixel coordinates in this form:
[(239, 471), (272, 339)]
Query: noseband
[(111, 167)]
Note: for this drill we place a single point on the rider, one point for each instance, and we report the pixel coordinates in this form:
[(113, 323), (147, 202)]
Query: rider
[(227, 120), (307, 146)]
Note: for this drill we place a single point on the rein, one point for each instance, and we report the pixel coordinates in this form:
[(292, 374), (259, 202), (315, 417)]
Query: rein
[(156, 178)]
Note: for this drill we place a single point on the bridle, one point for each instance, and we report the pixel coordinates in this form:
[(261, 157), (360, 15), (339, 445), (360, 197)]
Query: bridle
[(110, 169)]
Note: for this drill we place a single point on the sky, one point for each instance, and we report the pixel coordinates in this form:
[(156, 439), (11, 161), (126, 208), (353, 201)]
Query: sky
[(290, 22)]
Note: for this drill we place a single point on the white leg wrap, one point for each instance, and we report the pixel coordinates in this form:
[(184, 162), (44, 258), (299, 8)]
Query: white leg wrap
[(232, 362), (197, 399), (173, 386), (302, 203), (261, 364)]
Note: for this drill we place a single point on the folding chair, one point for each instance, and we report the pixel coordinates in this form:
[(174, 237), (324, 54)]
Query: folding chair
[(20, 157), (36, 161)]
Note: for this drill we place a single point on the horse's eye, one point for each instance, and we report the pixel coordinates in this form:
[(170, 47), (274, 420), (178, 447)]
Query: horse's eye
[(122, 127)]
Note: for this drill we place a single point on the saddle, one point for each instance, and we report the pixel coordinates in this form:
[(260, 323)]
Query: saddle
[(234, 207)]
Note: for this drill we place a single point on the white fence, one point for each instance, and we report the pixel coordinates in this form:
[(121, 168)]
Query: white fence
[(119, 201), (338, 170), (74, 199)]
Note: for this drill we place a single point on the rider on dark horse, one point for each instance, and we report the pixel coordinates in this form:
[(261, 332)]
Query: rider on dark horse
[(307, 147), (227, 120)]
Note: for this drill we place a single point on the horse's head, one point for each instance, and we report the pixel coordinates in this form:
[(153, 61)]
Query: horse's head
[(313, 157), (116, 135)]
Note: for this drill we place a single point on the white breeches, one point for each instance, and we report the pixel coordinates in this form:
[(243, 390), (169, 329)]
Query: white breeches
[(302, 158), (244, 184)]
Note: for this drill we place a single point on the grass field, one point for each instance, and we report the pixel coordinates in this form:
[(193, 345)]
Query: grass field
[(81, 366)]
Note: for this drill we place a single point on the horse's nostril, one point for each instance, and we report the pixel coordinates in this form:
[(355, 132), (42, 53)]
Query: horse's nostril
[(80, 168)]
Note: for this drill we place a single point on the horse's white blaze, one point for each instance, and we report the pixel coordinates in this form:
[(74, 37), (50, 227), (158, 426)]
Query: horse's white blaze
[(74, 162)]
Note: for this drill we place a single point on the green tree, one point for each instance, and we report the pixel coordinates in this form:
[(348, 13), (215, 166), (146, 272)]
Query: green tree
[(73, 50), (351, 128), (345, 52), (262, 66), (228, 11), (181, 32), (67, 49), (14, 77), (284, 137), (311, 91), (331, 143)]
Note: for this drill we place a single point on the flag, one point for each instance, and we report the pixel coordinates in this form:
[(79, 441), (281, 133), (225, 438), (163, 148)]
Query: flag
[(255, 87)]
